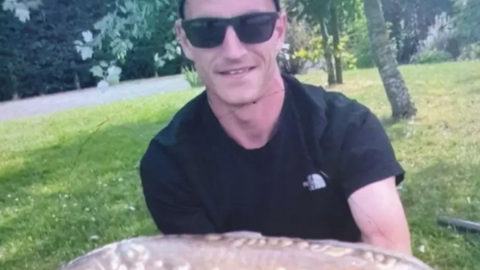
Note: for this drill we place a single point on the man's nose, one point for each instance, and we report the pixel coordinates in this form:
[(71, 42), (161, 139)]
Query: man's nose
[(232, 46)]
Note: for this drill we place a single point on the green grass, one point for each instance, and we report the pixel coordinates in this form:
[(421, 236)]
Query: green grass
[(70, 177)]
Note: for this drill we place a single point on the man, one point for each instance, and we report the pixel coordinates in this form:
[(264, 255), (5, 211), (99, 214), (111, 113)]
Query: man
[(260, 151)]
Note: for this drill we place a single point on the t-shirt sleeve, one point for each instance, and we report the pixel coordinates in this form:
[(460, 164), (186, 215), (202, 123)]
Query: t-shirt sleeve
[(171, 202), (367, 155)]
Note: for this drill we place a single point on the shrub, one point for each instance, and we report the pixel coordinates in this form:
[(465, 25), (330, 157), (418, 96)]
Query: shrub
[(192, 77), (299, 36), (431, 56), (470, 52), (358, 44)]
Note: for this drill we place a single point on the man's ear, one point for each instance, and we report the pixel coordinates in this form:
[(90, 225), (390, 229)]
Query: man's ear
[(182, 38)]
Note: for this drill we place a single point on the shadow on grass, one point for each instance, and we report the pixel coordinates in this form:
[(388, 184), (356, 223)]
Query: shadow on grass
[(444, 189), (396, 129), (468, 83), (469, 79), (62, 195), (388, 121)]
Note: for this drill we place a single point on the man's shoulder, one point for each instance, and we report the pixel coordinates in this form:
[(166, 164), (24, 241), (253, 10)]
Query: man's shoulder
[(185, 124), (354, 141), (339, 111)]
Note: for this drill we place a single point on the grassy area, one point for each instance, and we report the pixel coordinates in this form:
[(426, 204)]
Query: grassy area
[(69, 181)]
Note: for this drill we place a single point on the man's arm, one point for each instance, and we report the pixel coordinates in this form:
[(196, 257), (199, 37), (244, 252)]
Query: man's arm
[(172, 204), (370, 175), (379, 214)]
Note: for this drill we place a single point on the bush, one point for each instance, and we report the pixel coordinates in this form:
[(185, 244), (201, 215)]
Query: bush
[(432, 56), (38, 57), (192, 77), (298, 38), (358, 44), (470, 52), (50, 52), (311, 51)]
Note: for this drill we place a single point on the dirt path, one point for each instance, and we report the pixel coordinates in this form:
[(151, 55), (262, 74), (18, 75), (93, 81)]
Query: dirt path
[(89, 97)]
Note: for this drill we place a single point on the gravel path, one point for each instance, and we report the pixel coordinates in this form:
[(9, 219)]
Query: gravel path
[(89, 97)]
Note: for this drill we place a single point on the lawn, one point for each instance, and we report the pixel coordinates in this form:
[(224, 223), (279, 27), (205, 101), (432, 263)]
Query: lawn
[(69, 181)]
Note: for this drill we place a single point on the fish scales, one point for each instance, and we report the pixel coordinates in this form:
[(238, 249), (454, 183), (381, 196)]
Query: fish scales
[(229, 252)]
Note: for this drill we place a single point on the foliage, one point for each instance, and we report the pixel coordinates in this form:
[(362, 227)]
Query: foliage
[(134, 20), (331, 18), (38, 56), (431, 56), (358, 43), (315, 11), (192, 77), (349, 60), (109, 74), (312, 51), (435, 47), (470, 52), (135, 36), (299, 35), (466, 19), (440, 33), (172, 51), (410, 20), (21, 9)]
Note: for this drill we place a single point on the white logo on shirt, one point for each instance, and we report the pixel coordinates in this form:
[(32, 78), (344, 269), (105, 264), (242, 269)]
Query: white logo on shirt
[(314, 181)]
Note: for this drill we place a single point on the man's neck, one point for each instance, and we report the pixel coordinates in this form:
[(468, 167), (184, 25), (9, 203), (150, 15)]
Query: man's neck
[(252, 125)]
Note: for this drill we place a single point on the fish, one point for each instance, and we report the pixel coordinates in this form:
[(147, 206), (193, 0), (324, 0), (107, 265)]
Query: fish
[(240, 251)]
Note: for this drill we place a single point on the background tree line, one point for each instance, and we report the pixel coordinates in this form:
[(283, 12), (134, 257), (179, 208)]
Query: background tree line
[(51, 46)]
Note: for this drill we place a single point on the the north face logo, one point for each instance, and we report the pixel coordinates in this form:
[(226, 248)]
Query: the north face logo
[(314, 181)]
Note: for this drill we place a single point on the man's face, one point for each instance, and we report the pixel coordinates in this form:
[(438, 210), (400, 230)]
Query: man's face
[(235, 72)]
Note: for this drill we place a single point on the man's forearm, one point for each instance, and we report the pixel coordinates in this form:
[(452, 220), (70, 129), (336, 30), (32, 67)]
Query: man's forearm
[(379, 214), (398, 243)]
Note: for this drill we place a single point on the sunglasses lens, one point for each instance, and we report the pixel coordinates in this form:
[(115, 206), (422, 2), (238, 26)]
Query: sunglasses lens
[(210, 32), (205, 33), (256, 28)]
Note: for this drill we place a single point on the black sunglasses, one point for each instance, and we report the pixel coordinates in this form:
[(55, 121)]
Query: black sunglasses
[(252, 28)]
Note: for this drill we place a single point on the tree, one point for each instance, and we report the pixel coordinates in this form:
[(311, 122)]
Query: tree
[(467, 17), (315, 13), (410, 21), (327, 52), (330, 17), (336, 43), (384, 57), (122, 30)]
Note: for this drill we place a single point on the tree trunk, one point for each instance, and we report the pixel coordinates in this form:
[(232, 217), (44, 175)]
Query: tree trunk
[(337, 54), (397, 92), (327, 54)]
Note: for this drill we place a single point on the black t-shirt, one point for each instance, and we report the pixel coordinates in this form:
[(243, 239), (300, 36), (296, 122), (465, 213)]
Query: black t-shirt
[(196, 179)]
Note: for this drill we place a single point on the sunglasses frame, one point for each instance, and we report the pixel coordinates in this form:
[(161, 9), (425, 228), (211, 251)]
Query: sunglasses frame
[(235, 22)]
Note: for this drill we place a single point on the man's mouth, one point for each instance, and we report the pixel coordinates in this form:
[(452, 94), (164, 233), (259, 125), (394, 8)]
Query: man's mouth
[(236, 71)]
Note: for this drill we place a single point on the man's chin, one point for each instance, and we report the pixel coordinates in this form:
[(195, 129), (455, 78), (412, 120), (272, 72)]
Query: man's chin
[(237, 95), (240, 100)]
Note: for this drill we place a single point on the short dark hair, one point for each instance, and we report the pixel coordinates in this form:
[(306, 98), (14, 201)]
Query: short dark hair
[(181, 7)]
